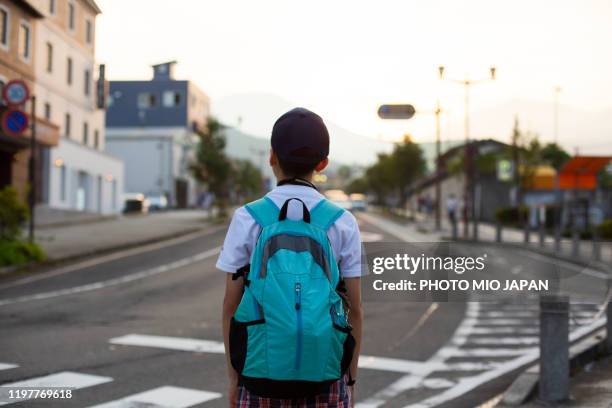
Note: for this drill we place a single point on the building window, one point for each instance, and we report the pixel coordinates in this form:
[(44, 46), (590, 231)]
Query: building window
[(71, 15), (49, 57), (48, 111), (171, 99), (96, 139), (146, 100), (85, 133), (87, 82), (67, 125), (69, 71), (51, 6), (63, 182), (88, 31), (24, 41), (4, 27)]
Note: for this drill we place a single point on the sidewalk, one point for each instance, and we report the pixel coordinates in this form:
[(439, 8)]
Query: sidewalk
[(589, 389), (92, 237)]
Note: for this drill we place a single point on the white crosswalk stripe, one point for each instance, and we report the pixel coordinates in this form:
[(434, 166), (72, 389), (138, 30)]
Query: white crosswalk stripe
[(166, 397), (64, 379), (172, 343)]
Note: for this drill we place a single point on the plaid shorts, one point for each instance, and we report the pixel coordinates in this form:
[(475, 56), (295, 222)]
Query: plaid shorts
[(337, 396)]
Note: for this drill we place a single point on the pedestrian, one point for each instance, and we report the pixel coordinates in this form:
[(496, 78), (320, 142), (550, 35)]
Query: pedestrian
[(292, 312), (451, 207)]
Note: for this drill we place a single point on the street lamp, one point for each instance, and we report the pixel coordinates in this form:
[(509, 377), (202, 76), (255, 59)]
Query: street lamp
[(468, 198)]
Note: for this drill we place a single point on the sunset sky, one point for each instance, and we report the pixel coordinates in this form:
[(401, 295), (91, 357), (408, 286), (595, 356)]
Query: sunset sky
[(344, 58)]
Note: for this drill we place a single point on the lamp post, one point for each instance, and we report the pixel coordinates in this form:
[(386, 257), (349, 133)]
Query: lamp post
[(556, 114), (468, 196)]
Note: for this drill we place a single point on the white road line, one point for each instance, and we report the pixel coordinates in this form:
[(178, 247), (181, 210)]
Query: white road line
[(580, 269), (484, 352), (507, 341), (7, 366), (116, 281), (65, 379), (172, 343), (507, 322), (508, 314), (166, 397)]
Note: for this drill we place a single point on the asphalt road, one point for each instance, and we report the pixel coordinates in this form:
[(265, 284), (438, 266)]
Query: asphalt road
[(145, 326)]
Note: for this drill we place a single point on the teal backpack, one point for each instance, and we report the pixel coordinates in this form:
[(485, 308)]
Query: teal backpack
[(289, 336)]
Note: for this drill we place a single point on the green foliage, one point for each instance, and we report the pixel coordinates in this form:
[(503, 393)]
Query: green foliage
[(13, 214), (247, 178), (212, 167), (605, 229), (511, 216), (18, 252), (344, 172), (393, 174), (554, 155)]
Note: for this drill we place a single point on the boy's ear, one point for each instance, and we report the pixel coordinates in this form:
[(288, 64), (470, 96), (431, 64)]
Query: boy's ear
[(322, 165), (273, 159)]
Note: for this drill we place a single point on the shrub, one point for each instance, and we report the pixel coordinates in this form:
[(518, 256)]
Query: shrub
[(16, 252), (13, 213), (605, 229), (511, 215)]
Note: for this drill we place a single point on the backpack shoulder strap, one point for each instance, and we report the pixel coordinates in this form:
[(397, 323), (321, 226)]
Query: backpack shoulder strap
[(264, 211), (325, 213)]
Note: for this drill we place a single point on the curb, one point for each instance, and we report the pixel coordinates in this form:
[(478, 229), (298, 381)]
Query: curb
[(586, 263), (33, 267), (583, 352)]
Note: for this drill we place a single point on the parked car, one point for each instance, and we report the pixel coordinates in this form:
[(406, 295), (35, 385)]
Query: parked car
[(358, 202), (157, 202), (135, 203)]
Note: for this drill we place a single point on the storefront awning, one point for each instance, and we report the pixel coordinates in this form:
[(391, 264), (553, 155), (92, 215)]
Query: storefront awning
[(580, 173)]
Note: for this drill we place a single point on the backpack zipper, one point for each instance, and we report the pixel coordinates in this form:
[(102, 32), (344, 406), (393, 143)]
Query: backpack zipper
[(298, 310)]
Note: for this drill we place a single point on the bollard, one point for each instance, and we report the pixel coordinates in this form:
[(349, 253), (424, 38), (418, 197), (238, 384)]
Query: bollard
[(542, 234), (475, 229), (596, 245), (454, 225), (609, 321), (526, 233), (554, 348), (498, 232), (558, 239), (575, 243)]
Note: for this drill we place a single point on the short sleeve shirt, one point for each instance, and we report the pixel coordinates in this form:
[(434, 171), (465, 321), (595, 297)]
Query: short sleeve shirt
[(243, 231)]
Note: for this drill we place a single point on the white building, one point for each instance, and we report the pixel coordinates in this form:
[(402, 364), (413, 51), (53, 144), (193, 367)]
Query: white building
[(79, 174)]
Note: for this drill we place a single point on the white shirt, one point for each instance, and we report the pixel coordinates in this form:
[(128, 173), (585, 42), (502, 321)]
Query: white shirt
[(243, 232)]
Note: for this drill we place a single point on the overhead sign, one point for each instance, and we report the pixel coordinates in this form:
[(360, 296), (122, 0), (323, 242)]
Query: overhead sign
[(14, 122), (396, 111), (15, 92)]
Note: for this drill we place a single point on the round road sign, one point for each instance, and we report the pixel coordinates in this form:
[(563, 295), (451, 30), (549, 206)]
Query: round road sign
[(15, 92), (14, 122)]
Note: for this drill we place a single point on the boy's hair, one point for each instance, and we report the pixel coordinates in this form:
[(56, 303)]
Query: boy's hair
[(305, 167)]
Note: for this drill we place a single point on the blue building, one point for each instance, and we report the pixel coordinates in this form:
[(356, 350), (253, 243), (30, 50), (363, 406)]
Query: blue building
[(151, 126)]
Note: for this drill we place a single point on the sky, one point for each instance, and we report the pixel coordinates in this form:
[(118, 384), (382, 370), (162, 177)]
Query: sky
[(343, 59)]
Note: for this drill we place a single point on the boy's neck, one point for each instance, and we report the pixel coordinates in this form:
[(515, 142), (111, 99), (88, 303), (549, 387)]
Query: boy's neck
[(282, 177)]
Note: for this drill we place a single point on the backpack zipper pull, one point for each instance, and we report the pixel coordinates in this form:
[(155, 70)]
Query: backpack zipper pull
[(298, 295)]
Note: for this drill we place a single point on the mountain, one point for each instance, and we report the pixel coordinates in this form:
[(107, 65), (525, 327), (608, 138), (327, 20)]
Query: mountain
[(255, 113)]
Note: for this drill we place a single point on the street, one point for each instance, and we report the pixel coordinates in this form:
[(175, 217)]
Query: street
[(144, 326)]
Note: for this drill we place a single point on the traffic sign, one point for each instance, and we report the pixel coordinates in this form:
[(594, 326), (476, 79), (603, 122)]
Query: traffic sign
[(396, 111), (14, 122), (15, 92)]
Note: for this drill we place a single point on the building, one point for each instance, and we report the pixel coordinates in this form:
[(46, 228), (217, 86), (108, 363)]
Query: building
[(79, 174), (151, 125), (18, 34)]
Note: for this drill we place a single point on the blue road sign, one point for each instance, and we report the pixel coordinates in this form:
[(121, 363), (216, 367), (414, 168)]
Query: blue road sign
[(14, 122)]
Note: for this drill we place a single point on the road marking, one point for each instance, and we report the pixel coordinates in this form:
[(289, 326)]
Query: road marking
[(370, 236), (7, 366), (115, 281), (509, 314), (484, 352), (498, 330), (172, 343), (64, 379), (110, 257), (166, 397), (507, 341)]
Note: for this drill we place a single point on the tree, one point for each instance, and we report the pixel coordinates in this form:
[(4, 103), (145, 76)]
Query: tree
[(408, 166), (247, 178), (554, 155), (211, 166)]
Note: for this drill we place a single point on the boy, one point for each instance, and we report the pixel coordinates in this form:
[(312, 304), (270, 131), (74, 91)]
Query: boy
[(300, 146)]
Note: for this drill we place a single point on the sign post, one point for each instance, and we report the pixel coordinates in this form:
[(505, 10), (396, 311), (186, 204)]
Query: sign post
[(14, 123)]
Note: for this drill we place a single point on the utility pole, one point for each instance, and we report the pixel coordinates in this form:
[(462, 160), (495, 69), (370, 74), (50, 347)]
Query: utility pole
[(469, 185), (556, 114), (437, 112)]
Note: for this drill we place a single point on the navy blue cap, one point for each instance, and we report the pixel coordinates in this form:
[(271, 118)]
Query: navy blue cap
[(300, 136)]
